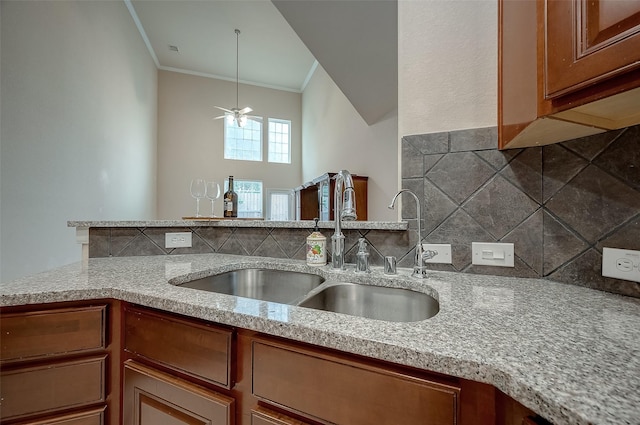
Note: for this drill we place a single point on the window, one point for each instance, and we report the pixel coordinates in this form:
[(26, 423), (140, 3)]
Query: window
[(280, 204), (243, 143), (249, 197), (279, 141)]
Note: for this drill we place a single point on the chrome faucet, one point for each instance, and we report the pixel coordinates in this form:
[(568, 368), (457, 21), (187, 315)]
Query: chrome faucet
[(419, 269), (344, 208)]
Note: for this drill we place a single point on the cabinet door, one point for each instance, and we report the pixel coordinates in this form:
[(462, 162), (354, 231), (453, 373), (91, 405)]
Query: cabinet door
[(589, 41), (152, 397), (262, 416)]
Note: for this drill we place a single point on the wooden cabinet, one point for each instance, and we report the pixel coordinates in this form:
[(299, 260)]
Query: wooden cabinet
[(339, 391), (54, 365), (152, 397), (196, 349), (316, 198), (263, 416), (567, 69), (184, 359)]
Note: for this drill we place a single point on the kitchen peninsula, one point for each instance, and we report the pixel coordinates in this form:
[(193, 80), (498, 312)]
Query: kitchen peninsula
[(566, 352)]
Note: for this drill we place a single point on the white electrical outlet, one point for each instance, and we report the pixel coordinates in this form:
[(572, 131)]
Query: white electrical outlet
[(492, 254), (177, 240), (442, 250), (621, 264)]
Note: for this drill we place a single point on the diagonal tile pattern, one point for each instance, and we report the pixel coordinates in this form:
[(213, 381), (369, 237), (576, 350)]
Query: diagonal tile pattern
[(559, 205)]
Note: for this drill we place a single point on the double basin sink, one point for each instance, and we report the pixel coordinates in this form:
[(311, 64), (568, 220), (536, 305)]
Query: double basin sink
[(312, 291)]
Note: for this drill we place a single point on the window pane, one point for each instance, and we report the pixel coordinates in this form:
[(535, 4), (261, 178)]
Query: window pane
[(279, 205), (244, 143), (249, 197), (279, 141)]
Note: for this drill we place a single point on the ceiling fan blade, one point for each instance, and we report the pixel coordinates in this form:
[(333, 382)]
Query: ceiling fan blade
[(245, 111), (224, 109), (220, 117)]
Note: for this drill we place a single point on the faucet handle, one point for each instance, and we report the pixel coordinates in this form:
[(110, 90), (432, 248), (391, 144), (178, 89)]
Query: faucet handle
[(429, 254)]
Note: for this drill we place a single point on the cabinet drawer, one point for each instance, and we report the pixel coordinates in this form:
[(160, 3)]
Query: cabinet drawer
[(48, 333), (89, 417), (51, 387), (347, 392), (198, 350), (152, 397), (262, 416)]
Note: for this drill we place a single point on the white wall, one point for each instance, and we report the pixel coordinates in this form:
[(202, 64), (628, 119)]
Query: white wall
[(335, 137), (191, 142), (447, 59), (78, 135)]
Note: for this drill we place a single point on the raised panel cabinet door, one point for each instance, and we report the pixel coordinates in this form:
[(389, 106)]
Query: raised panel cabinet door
[(152, 397), (589, 41), (88, 417)]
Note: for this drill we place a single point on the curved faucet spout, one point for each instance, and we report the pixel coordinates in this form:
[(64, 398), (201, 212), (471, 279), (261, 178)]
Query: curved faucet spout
[(418, 264), (344, 208)]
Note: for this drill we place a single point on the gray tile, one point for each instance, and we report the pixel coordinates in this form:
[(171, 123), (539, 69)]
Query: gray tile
[(232, 246), (270, 248), (460, 230), (498, 159), (460, 174), (527, 239), (429, 162), (474, 139), (121, 237), (594, 203), (392, 243), (436, 206), (560, 165), (214, 236), (500, 206), (429, 143), (250, 238), (412, 161), (291, 240), (586, 270), (590, 146), (560, 244), (140, 245), (626, 236), (407, 201), (99, 242), (622, 157), (525, 171)]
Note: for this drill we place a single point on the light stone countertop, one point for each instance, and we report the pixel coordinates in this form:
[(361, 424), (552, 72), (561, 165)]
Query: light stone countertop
[(569, 353), (204, 222)]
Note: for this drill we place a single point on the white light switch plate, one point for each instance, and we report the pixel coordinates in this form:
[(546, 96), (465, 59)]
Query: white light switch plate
[(443, 250), (177, 240), (492, 254), (621, 264)]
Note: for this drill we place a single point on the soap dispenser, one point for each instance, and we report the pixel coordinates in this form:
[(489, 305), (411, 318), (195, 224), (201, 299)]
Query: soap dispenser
[(316, 247), (362, 257)]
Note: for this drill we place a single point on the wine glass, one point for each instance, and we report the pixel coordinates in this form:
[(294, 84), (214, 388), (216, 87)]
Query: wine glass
[(198, 190), (213, 193)]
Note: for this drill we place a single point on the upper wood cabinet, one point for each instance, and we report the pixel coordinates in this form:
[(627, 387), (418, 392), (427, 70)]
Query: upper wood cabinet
[(567, 69)]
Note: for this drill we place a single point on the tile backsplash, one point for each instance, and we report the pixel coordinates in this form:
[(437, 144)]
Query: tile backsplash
[(559, 204)]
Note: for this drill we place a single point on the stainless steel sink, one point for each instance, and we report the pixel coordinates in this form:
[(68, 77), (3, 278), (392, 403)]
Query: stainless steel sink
[(279, 286), (374, 302)]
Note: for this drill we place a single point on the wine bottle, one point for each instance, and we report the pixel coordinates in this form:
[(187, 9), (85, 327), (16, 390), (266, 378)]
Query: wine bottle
[(230, 201)]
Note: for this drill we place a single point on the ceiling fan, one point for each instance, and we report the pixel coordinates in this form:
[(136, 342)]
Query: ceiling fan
[(237, 115)]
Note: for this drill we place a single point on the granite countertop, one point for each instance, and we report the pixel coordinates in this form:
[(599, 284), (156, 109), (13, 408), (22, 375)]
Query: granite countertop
[(218, 222), (569, 353)]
